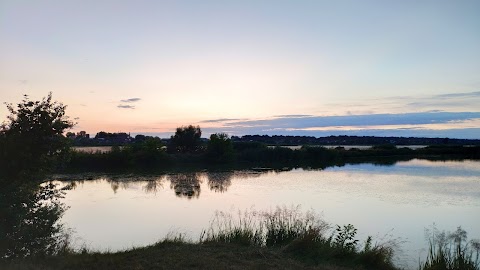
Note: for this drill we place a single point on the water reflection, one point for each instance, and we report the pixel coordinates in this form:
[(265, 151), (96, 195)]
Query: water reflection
[(436, 178), (152, 186), (219, 181), (186, 184), (377, 199)]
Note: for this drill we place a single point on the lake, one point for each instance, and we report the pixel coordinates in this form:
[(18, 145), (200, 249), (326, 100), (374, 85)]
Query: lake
[(114, 212)]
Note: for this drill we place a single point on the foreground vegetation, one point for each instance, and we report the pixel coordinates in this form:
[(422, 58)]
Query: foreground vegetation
[(173, 255), (282, 239), (285, 238), (301, 235), (451, 251)]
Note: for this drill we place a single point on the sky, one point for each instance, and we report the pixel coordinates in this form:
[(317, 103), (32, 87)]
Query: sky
[(316, 68)]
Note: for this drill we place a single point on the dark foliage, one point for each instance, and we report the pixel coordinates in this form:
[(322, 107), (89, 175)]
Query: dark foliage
[(31, 140), (220, 148), (186, 139), (145, 154), (29, 225), (351, 140), (31, 144)]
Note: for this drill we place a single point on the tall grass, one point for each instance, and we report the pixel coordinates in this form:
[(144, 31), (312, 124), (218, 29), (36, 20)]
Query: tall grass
[(451, 251), (262, 228), (301, 234)]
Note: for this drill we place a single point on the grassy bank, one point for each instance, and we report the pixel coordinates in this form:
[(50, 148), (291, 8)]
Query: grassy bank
[(282, 239), (175, 255), (285, 238)]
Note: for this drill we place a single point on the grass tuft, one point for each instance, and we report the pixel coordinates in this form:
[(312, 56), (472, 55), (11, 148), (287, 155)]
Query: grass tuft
[(300, 234), (451, 251)]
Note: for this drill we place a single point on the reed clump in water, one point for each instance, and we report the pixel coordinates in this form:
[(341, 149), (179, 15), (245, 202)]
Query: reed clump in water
[(451, 251)]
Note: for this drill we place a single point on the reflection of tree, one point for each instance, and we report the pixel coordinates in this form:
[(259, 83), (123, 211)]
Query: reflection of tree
[(116, 183), (29, 221), (71, 185), (153, 185), (245, 174), (219, 181), (185, 184)]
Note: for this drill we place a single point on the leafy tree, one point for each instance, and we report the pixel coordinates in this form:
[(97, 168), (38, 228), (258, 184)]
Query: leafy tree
[(186, 139), (30, 141), (220, 147), (147, 151), (32, 138)]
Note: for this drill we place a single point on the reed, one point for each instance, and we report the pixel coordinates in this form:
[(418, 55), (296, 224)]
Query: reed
[(451, 251)]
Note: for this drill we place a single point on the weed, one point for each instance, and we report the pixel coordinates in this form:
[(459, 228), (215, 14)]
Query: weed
[(451, 251)]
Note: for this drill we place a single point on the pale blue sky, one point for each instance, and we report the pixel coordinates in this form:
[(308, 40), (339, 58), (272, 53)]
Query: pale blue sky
[(189, 61)]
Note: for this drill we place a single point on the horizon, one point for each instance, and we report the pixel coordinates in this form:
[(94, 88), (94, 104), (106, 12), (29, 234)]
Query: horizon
[(306, 68), (167, 135)]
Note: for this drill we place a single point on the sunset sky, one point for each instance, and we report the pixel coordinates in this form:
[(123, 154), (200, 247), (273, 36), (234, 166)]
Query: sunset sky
[(396, 68)]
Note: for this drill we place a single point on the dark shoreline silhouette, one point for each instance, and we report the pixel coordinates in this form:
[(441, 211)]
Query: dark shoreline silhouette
[(246, 155)]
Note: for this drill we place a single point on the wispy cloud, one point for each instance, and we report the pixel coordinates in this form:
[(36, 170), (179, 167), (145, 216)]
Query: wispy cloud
[(445, 102), (456, 95), (126, 106), (452, 102), (130, 100), (293, 115), (221, 120)]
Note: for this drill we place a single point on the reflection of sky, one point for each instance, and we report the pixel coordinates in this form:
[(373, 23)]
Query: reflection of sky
[(418, 168), (405, 198)]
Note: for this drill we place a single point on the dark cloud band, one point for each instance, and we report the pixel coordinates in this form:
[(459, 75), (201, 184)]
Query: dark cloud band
[(126, 107), (360, 120)]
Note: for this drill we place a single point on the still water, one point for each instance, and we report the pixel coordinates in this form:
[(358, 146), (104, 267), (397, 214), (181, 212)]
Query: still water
[(387, 202)]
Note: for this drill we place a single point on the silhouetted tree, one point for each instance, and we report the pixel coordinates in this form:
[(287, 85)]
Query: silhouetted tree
[(220, 147), (30, 141), (186, 139), (32, 137)]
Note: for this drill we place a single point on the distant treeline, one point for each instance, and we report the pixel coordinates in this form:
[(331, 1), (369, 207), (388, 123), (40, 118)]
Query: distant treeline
[(122, 138), (187, 148), (351, 140)]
